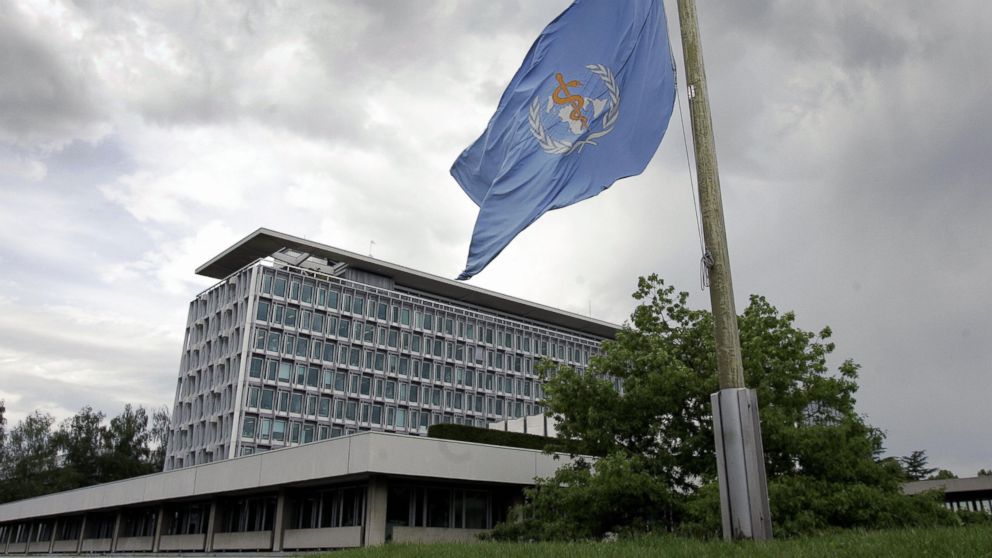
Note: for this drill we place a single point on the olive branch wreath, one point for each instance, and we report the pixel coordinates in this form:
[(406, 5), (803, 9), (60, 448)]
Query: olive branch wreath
[(559, 147)]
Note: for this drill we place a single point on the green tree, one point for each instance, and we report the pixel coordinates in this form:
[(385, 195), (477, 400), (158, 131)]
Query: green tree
[(942, 474), (79, 440), (159, 434), (126, 442), (30, 465), (818, 449), (985, 472), (915, 465)]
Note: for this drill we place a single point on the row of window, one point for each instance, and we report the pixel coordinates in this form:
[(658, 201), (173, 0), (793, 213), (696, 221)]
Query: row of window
[(337, 297), (464, 379), (317, 323)]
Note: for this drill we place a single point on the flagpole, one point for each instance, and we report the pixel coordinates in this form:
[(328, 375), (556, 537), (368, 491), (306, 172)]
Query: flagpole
[(737, 428)]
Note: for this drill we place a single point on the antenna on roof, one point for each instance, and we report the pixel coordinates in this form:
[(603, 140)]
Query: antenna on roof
[(371, 243)]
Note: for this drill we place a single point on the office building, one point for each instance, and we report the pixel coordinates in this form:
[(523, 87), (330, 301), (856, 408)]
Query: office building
[(300, 342)]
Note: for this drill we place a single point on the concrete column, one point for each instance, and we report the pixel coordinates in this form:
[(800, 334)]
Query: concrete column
[(211, 525), (159, 527), (117, 531), (279, 521), (55, 529), (6, 539), (375, 512), (82, 535), (741, 465)]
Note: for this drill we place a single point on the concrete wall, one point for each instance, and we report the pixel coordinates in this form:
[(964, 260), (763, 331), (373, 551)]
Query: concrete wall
[(181, 542), (252, 540), (331, 537)]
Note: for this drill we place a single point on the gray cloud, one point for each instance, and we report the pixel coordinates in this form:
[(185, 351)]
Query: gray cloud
[(851, 139)]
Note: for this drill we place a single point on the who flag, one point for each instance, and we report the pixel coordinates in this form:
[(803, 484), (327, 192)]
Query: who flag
[(588, 106)]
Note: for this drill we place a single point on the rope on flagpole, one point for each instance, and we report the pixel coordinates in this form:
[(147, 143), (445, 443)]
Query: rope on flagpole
[(706, 261)]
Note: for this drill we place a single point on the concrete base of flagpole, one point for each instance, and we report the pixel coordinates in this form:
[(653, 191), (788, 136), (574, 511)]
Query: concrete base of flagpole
[(741, 465)]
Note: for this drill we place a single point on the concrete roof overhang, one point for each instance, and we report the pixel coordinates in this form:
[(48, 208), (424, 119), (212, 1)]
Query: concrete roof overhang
[(264, 242), (335, 460)]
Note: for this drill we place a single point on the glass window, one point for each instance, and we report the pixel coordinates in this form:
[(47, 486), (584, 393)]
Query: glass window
[(272, 370), (324, 410), (401, 418), (253, 397), (339, 381), (296, 403), (274, 339), (262, 314), (294, 290), (308, 293), (302, 347), (318, 322), (366, 386), (248, 427), (359, 305), (280, 286), (390, 390), (266, 401), (265, 430), (277, 312), (294, 435), (267, 283), (285, 371), (405, 316), (256, 367), (351, 412), (332, 299), (308, 433), (377, 414), (290, 318), (344, 328), (279, 430), (382, 311), (321, 296), (283, 401), (313, 377), (329, 352)]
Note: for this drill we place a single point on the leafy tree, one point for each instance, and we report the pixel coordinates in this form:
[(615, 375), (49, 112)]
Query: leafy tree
[(985, 473), (79, 439), (30, 463), (38, 458), (159, 434), (943, 474), (822, 458), (915, 465), (126, 441)]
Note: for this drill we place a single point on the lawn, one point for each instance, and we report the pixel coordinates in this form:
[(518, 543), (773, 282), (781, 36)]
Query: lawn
[(965, 542)]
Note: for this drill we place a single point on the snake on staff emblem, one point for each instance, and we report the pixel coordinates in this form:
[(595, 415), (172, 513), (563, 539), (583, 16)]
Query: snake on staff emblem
[(562, 96)]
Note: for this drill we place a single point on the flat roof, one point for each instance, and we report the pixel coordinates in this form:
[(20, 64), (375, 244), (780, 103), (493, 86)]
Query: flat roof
[(338, 459), (949, 486), (265, 242)]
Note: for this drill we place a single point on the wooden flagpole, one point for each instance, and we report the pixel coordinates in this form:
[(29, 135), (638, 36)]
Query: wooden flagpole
[(737, 429)]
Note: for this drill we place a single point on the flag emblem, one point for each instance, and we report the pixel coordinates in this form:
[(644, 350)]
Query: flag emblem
[(570, 114)]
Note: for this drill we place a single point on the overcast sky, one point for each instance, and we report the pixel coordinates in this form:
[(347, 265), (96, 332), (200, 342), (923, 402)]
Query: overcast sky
[(137, 140)]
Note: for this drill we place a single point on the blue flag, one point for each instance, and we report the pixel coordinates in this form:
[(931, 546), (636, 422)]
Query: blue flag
[(587, 107)]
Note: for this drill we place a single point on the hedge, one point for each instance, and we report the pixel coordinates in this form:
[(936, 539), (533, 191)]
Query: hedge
[(487, 436)]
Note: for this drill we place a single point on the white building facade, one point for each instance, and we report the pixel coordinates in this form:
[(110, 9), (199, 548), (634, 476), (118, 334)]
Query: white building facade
[(300, 342)]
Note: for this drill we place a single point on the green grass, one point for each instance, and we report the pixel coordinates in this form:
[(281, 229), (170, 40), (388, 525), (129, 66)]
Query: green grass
[(965, 542)]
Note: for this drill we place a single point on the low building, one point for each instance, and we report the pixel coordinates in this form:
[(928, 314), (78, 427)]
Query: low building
[(972, 493), (355, 490)]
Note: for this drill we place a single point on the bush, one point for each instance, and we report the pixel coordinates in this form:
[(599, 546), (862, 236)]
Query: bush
[(486, 436)]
